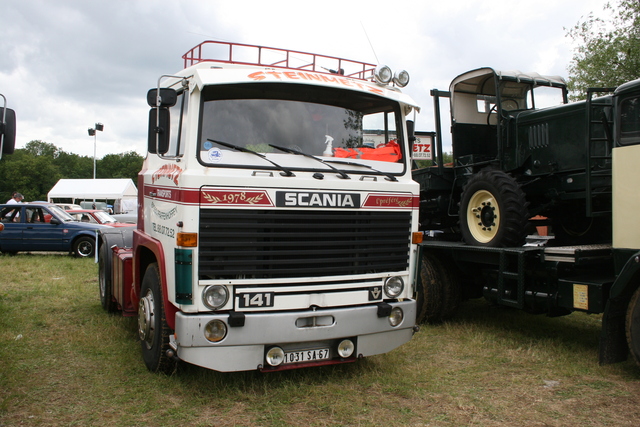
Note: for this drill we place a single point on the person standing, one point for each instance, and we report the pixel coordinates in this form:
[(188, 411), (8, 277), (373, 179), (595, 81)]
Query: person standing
[(15, 198)]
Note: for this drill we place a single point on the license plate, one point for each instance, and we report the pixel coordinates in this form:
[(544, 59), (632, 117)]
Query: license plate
[(306, 355)]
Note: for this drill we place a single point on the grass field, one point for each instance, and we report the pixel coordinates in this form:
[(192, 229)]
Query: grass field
[(65, 362)]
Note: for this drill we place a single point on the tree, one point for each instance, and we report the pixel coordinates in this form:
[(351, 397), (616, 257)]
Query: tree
[(35, 169), (123, 165), (608, 53), (29, 174)]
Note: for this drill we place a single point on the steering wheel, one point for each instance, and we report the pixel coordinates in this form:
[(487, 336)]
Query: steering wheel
[(492, 110)]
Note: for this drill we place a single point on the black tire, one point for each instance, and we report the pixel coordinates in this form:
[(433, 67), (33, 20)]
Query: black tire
[(104, 279), (493, 210), (632, 326), (439, 289), (84, 247), (153, 330)]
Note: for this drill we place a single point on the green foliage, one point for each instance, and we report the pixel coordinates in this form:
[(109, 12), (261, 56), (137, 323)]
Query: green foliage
[(123, 165), (608, 53), (36, 168)]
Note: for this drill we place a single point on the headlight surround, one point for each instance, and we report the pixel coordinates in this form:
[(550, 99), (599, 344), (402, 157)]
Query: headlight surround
[(346, 348), (275, 356), (396, 316), (383, 74), (393, 286), (215, 330), (215, 296)]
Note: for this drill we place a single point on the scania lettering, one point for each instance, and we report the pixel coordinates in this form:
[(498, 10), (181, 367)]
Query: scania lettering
[(278, 218), (318, 200)]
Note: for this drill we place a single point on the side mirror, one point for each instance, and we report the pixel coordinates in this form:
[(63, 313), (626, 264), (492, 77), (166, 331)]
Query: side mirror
[(54, 221), (168, 97), (7, 130), (159, 131), (411, 132)]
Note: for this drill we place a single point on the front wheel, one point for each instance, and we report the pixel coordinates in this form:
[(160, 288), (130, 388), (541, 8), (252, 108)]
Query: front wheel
[(152, 324), (493, 210), (84, 247)]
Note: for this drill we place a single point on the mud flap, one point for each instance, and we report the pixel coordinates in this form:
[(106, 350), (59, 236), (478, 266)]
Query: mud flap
[(613, 340)]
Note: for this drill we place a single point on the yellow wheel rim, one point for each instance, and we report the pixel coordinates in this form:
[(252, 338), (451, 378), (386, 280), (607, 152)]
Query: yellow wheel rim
[(483, 215)]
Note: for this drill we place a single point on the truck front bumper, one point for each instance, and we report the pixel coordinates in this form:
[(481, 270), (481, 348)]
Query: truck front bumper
[(244, 347)]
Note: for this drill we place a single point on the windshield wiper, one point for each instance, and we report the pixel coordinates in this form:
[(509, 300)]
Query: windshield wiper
[(389, 177), (340, 173), (285, 171)]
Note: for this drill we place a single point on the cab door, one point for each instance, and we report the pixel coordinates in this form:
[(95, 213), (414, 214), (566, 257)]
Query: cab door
[(626, 164)]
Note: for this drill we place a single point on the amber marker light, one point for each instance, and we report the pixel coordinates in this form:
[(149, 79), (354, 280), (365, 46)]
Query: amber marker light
[(187, 239), (416, 237)]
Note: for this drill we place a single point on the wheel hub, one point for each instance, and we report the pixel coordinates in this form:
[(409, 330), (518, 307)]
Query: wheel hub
[(486, 214), (146, 319)]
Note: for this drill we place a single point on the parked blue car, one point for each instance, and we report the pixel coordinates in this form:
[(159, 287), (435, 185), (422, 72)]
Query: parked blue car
[(45, 227)]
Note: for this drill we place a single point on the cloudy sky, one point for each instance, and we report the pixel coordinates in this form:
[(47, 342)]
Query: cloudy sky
[(68, 64)]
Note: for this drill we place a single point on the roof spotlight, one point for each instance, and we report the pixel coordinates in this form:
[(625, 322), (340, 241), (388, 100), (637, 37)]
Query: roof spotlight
[(383, 74), (401, 78)]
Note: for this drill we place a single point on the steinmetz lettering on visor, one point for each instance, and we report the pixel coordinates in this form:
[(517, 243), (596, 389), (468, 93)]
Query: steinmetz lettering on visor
[(317, 200)]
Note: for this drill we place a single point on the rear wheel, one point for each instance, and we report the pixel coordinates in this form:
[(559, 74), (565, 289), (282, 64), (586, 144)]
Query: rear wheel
[(84, 247), (493, 210), (439, 289), (104, 279), (633, 326), (152, 324)]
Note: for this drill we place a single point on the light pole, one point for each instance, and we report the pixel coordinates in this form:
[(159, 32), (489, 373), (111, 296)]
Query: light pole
[(92, 132)]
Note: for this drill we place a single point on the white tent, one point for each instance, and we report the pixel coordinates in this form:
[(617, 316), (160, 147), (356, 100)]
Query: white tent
[(122, 191)]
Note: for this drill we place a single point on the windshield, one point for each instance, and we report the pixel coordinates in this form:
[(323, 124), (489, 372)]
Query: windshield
[(60, 213), (104, 218), (328, 123)]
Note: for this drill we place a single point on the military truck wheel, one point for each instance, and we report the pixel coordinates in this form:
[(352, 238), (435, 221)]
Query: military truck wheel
[(104, 279), (152, 324), (633, 326), (493, 210), (439, 290)]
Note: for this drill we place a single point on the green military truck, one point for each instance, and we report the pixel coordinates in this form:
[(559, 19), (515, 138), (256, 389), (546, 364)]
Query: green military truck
[(514, 159)]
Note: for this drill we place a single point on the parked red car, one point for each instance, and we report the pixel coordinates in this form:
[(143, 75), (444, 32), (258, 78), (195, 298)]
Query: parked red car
[(95, 216)]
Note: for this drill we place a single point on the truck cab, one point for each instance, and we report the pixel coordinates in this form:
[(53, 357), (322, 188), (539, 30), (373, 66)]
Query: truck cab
[(276, 214)]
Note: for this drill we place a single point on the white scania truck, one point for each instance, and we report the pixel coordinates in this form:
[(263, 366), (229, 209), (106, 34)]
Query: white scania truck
[(277, 215)]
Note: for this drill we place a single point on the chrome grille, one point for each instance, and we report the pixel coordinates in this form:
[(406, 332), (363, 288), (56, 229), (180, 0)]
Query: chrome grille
[(239, 243)]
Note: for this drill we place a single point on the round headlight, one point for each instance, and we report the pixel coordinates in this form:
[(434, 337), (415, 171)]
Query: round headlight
[(345, 348), (401, 78), (215, 296), (396, 316), (393, 286), (275, 356), (215, 330), (383, 74)]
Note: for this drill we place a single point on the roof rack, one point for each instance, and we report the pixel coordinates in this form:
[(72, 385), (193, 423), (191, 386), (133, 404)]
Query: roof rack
[(244, 54)]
